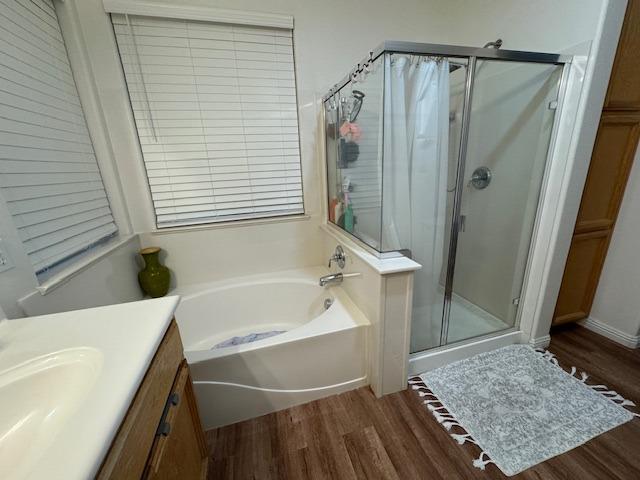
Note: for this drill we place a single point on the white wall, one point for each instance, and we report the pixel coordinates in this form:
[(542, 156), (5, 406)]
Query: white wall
[(20, 279), (562, 196), (203, 255), (112, 279), (329, 38), (617, 301), (539, 25)]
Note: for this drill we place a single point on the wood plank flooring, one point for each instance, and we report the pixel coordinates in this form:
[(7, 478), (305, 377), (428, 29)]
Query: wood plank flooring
[(357, 436)]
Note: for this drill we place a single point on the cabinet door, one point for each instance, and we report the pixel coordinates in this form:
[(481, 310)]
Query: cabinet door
[(129, 451), (581, 274), (624, 91), (179, 451), (611, 162)]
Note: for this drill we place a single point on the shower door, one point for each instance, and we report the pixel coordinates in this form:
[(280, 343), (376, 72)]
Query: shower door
[(439, 152), (494, 206)]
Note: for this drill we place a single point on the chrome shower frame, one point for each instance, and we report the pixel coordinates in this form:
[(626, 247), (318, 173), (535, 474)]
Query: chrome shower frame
[(471, 55), (450, 51)]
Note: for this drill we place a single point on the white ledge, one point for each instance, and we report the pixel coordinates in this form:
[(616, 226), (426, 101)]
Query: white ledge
[(384, 266), (83, 263), (230, 224)]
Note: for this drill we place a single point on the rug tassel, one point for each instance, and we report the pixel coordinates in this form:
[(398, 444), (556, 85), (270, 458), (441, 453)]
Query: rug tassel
[(431, 408), (441, 417), (425, 394), (603, 389), (599, 387), (461, 438), (480, 463), (449, 424), (546, 354), (610, 394)]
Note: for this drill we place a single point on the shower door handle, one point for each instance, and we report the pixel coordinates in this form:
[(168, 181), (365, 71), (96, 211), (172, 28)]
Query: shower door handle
[(462, 223)]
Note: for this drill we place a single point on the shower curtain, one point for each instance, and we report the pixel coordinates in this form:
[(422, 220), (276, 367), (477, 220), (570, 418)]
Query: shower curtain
[(416, 139)]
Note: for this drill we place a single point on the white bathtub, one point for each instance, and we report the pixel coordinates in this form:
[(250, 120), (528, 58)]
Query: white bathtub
[(323, 352)]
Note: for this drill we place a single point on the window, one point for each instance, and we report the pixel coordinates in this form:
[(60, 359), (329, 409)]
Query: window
[(216, 112), (49, 175)]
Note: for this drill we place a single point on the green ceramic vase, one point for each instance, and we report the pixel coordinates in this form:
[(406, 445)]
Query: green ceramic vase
[(154, 278)]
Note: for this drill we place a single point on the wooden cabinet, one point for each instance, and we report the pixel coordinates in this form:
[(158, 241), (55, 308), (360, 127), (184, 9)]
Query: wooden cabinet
[(586, 254), (180, 450), (611, 162), (624, 84), (613, 153), (161, 435)]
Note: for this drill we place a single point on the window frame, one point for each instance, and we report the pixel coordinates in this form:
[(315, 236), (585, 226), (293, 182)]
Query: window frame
[(60, 271), (210, 15)]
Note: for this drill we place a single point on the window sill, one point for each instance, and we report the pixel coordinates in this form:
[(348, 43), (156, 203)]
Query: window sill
[(82, 264), (232, 224)]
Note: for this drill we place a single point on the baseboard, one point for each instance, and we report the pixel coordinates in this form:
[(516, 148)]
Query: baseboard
[(540, 342), (612, 333)]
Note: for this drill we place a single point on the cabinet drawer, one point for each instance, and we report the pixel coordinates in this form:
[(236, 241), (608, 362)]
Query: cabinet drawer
[(179, 451), (129, 451)]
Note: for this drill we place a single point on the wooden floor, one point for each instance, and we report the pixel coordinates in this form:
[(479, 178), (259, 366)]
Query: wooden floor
[(356, 436)]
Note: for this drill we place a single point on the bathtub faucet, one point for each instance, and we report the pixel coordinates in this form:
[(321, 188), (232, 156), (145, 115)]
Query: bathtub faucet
[(334, 278)]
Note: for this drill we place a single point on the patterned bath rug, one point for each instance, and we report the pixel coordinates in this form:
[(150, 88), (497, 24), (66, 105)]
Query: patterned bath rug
[(519, 406)]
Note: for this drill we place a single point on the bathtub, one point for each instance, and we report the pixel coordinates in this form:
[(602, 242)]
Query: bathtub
[(322, 352)]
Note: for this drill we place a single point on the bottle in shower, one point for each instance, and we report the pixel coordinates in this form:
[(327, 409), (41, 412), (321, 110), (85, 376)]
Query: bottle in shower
[(348, 214)]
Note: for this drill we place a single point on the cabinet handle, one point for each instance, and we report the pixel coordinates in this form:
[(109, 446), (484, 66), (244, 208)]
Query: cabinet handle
[(168, 417), (164, 428)]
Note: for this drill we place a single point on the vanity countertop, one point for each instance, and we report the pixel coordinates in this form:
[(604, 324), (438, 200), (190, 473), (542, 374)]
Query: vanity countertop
[(67, 381)]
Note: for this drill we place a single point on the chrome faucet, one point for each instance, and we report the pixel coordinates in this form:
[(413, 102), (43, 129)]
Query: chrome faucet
[(339, 257), (331, 279)]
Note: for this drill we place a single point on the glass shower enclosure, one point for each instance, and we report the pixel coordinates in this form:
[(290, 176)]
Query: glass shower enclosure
[(439, 153)]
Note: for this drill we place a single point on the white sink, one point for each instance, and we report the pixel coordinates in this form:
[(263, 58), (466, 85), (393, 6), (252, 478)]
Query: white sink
[(38, 397), (66, 383)]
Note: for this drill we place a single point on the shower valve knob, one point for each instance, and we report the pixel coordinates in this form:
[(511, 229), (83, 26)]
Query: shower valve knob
[(339, 257), (480, 178)]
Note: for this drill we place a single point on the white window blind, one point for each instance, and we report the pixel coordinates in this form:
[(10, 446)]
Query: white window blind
[(49, 175), (216, 112)]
